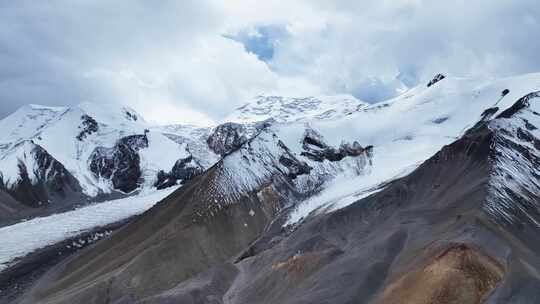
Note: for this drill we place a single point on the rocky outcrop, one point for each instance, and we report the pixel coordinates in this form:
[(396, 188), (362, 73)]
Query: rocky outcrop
[(294, 166), (230, 136), (41, 179), (121, 163), (227, 138), (88, 126), (519, 105), (135, 142), (315, 148), (131, 115), (436, 79), (183, 170)]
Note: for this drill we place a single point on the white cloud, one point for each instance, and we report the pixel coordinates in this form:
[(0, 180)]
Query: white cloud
[(171, 61), (381, 39)]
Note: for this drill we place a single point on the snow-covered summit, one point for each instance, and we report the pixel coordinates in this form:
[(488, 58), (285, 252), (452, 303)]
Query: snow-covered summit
[(29, 121), (289, 109), (99, 144), (410, 128)]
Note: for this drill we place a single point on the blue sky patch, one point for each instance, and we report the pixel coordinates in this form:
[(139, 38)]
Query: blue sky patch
[(261, 40)]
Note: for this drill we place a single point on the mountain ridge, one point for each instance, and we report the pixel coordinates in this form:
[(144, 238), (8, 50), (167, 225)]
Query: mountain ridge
[(90, 141)]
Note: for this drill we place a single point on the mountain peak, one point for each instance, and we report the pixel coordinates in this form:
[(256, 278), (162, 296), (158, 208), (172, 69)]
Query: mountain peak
[(39, 107), (290, 109), (110, 113)]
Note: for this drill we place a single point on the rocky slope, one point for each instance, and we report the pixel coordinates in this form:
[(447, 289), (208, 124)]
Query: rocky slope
[(272, 222)]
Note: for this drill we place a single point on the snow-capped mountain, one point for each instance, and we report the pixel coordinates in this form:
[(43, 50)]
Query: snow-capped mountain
[(74, 154), (392, 139), (289, 109), (102, 151), (408, 129), (105, 151)]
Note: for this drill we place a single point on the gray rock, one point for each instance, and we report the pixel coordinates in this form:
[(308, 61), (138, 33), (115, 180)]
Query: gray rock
[(227, 137), (315, 148), (183, 170), (88, 126), (121, 163), (436, 79)]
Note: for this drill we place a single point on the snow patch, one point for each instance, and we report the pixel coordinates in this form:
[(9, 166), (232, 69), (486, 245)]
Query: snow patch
[(26, 237)]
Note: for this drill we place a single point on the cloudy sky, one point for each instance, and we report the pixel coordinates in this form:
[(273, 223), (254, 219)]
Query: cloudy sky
[(195, 60)]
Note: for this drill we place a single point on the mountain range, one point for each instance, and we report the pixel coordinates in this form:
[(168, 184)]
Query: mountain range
[(430, 197), (54, 157)]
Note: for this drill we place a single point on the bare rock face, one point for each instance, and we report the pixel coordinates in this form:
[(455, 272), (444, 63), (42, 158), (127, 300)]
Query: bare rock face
[(522, 103), (315, 148), (227, 138), (135, 142), (183, 170), (131, 116), (88, 126), (436, 79), (354, 149), (295, 166), (121, 163), (42, 179)]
